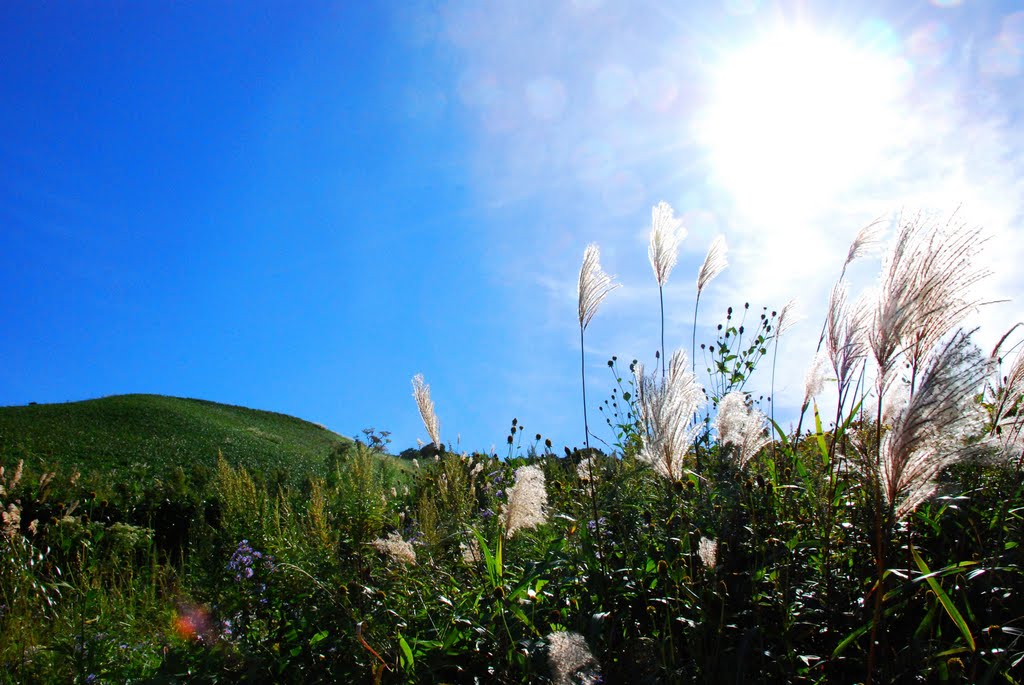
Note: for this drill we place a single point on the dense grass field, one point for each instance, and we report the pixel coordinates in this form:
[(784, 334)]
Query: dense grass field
[(155, 540), (154, 434)]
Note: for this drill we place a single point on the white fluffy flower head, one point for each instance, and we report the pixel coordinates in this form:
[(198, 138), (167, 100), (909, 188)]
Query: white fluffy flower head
[(527, 500)]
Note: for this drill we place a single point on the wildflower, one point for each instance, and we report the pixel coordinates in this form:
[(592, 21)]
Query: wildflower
[(421, 391), (245, 561), (707, 550), (665, 411), (570, 659), (527, 500), (666, 234), (396, 548), (594, 285), (714, 263), (741, 426)]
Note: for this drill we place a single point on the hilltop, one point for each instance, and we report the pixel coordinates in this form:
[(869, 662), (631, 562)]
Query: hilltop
[(154, 434)]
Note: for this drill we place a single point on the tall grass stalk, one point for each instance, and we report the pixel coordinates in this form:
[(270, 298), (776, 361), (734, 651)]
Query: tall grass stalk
[(920, 299), (594, 285), (714, 263), (663, 251)]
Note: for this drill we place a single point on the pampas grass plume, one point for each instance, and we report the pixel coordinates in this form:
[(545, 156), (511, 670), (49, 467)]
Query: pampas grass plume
[(594, 284), (421, 393), (666, 233), (714, 263)]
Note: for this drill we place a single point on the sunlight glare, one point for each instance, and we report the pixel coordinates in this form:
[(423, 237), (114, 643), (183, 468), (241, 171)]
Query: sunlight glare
[(799, 117)]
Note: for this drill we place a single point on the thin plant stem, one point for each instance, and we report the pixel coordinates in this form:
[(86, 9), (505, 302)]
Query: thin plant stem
[(693, 370), (771, 398), (880, 523), (583, 375), (661, 298)]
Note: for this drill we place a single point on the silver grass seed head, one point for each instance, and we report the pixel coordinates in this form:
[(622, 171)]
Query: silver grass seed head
[(930, 432), (470, 550), (814, 378), (527, 500), (866, 241), (714, 263), (707, 550), (788, 316), (421, 393), (10, 521), (396, 548), (666, 233), (594, 285), (741, 426), (1007, 423), (666, 409), (845, 333), (570, 660), (924, 290)]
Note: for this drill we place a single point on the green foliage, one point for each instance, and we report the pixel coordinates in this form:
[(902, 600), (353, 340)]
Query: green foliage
[(737, 350), (790, 565), (153, 435)]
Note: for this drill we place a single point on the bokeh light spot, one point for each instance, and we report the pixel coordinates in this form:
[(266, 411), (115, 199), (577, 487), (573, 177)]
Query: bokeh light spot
[(879, 35), (615, 86), (545, 97), (930, 44), (742, 7), (623, 193), (478, 88), (659, 90), (594, 161)]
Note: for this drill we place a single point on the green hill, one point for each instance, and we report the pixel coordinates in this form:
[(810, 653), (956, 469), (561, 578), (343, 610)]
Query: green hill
[(153, 434)]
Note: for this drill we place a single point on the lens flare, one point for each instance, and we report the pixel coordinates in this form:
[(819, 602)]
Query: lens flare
[(798, 117)]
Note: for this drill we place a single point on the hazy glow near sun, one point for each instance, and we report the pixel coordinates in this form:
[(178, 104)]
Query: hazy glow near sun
[(798, 117)]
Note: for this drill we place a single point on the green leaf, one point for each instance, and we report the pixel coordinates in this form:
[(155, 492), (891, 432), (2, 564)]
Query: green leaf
[(947, 603), (820, 436), (492, 563), (407, 660), (781, 433)]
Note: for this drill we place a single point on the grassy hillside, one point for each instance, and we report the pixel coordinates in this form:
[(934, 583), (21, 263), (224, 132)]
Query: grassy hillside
[(154, 434)]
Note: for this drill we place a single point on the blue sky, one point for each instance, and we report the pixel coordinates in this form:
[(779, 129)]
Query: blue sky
[(297, 208)]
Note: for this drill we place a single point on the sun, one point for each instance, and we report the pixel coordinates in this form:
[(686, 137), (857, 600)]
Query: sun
[(798, 117)]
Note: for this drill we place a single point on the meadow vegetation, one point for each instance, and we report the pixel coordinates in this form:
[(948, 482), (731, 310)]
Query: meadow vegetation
[(877, 541)]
